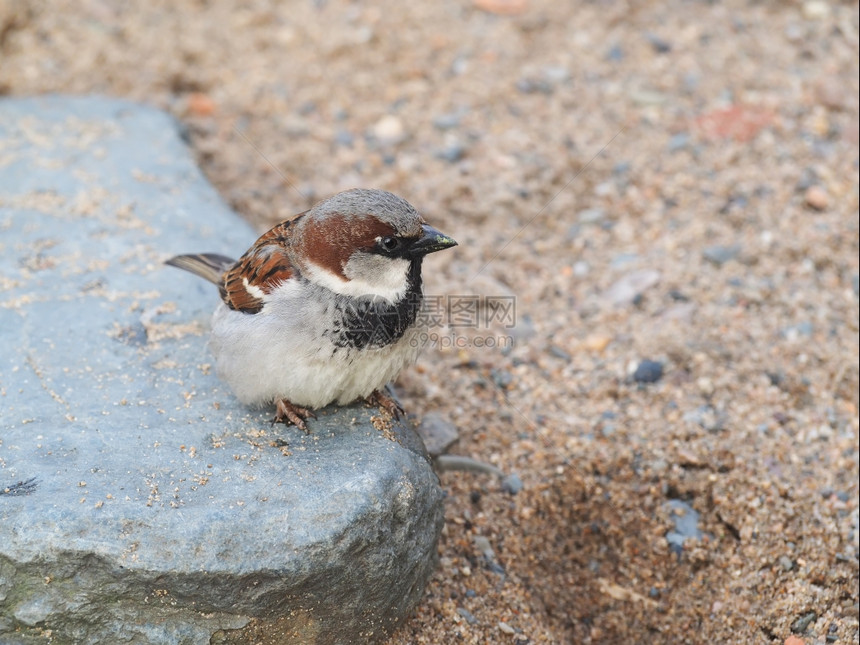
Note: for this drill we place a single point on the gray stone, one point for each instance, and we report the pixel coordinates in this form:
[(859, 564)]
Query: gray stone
[(719, 254), (467, 615), (686, 524), (679, 141), (802, 622), (591, 215), (483, 546), (512, 484), (631, 286), (660, 45), (615, 54), (139, 501), (450, 120), (454, 150), (648, 371), (437, 433)]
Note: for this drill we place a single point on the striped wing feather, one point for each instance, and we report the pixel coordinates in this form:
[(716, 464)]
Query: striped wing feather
[(259, 271)]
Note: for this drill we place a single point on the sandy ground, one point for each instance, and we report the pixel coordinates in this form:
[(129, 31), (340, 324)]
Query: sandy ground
[(673, 181)]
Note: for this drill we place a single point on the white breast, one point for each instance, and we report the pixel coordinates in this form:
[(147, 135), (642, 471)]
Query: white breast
[(282, 352)]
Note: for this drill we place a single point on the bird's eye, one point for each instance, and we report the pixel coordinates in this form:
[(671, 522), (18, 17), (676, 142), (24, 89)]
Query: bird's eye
[(390, 243)]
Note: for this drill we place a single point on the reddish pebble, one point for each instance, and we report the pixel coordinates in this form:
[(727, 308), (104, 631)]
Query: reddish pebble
[(200, 104), (738, 122), (816, 197)]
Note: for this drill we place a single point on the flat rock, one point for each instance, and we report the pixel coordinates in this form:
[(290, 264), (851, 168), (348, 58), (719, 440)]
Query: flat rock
[(139, 501)]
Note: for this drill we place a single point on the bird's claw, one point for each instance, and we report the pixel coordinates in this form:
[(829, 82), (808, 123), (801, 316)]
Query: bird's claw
[(286, 412), (382, 399)]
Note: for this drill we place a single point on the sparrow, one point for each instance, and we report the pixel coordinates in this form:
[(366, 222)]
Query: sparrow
[(324, 307)]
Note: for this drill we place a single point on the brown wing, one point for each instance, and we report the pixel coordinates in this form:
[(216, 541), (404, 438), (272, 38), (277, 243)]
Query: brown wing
[(263, 267)]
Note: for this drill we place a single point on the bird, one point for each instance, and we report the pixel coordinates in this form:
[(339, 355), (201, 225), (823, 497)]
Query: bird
[(325, 307)]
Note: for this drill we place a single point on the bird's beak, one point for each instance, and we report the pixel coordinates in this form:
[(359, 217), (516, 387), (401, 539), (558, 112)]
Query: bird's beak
[(430, 241)]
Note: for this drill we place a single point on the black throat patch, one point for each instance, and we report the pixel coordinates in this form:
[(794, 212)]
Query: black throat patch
[(374, 322)]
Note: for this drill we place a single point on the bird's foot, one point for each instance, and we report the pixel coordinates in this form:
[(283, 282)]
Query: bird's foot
[(286, 412), (382, 399)]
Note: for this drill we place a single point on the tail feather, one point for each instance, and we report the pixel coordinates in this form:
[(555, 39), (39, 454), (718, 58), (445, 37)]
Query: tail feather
[(209, 266)]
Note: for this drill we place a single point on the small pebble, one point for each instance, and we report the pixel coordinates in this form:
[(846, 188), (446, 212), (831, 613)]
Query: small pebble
[(648, 371), (306, 108), (596, 342), (556, 73), (647, 97), (705, 385), (482, 544), (512, 484), (621, 260), (816, 197), (502, 378), (808, 177), (460, 65), (615, 54), (389, 130), (452, 152), (505, 628), (626, 289), (438, 433), (719, 254), (832, 93), (795, 33), (534, 85), (558, 352), (660, 46), (676, 542), (691, 82), (803, 329), (591, 215), (685, 518), (447, 121), (621, 168), (469, 618), (344, 138), (679, 142), (816, 10), (801, 623), (200, 104), (786, 563)]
